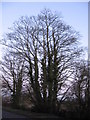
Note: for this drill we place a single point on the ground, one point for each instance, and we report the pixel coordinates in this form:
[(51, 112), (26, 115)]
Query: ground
[(19, 114)]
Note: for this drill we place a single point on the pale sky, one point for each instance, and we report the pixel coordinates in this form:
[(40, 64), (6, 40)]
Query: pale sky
[(74, 14)]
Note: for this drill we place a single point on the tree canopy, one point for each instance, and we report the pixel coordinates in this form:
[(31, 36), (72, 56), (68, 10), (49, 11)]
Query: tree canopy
[(48, 49)]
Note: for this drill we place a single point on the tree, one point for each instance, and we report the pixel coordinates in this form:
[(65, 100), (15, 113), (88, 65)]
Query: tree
[(12, 78), (80, 88), (49, 48)]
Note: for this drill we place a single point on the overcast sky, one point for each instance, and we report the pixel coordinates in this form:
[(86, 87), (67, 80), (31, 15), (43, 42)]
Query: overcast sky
[(74, 14)]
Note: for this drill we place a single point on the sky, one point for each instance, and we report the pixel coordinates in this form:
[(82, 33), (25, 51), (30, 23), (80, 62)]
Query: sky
[(73, 13)]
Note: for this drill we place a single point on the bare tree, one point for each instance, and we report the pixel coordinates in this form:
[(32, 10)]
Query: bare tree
[(12, 78), (49, 48), (80, 88)]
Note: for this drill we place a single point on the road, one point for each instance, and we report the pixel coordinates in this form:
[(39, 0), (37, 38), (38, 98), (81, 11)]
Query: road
[(6, 114)]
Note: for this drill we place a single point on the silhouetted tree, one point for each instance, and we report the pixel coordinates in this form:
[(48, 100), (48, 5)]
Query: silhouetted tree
[(80, 90), (12, 78), (49, 48)]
